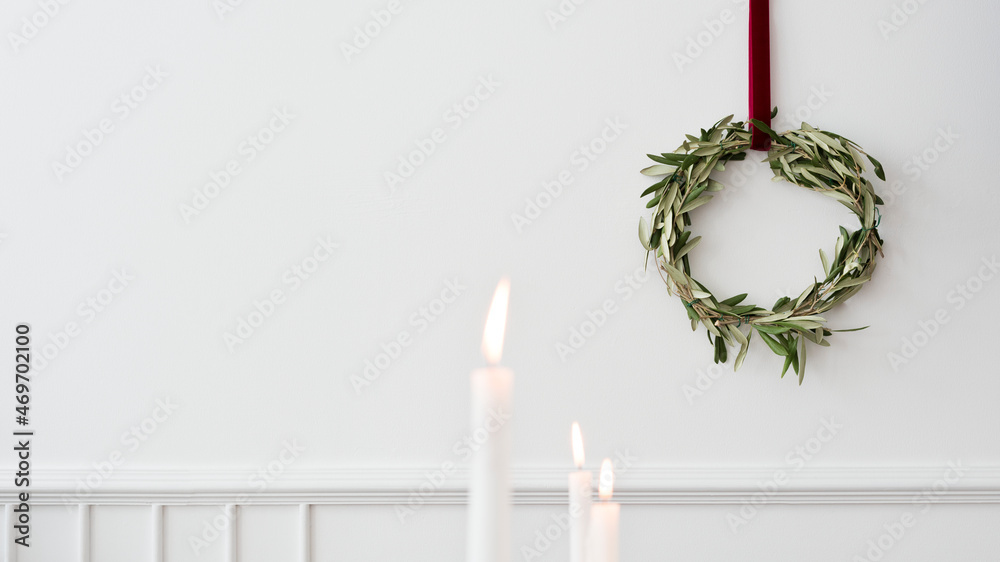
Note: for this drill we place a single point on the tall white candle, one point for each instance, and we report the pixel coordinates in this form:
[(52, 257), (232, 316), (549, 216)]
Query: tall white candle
[(602, 535), (489, 486), (580, 493)]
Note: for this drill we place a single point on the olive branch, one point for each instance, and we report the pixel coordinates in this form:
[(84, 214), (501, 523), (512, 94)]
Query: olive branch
[(818, 160)]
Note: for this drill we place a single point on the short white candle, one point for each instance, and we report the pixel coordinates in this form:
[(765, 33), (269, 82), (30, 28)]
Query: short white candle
[(489, 486), (602, 535), (580, 494)]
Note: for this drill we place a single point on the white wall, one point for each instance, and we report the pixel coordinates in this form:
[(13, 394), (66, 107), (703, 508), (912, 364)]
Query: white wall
[(914, 89)]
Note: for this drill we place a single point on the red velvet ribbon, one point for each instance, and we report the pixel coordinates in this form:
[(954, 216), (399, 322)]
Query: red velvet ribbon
[(760, 72)]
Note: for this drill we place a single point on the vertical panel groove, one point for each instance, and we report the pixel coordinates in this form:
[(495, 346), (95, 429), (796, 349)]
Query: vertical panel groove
[(305, 533), (10, 550), (157, 529), (232, 537), (84, 532)]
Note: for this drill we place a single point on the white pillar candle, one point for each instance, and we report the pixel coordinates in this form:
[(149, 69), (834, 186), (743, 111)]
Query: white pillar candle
[(580, 492), (602, 534), (489, 486)]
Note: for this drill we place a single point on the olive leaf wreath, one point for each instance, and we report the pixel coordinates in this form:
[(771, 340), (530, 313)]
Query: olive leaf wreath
[(819, 160)]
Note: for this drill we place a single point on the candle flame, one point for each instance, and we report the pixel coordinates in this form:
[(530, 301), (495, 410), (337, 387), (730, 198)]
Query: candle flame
[(577, 446), (607, 482), (496, 322)]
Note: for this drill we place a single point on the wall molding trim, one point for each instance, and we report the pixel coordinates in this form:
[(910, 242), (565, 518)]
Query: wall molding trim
[(948, 483)]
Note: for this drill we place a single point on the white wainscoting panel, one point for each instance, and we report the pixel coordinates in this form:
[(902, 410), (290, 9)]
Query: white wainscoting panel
[(371, 514), (696, 533)]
